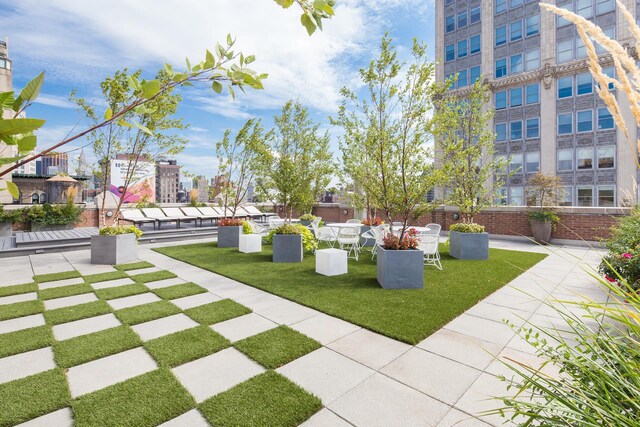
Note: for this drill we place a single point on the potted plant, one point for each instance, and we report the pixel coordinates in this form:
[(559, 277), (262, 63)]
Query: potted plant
[(468, 241), (7, 219), (367, 224), (543, 191), (229, 231), (116, 244), (400, 265), (49, 217), (306, 219), (290, 241)]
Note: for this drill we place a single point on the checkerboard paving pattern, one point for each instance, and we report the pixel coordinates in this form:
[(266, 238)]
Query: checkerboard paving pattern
[(121, 347)]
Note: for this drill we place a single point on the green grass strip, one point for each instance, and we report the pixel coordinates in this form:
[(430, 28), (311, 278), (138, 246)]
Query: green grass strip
[(64, 291), (103, 277), (19, 309), (6, 291), (218, 311), (86, 348), (121, 291), (76, 312), (143, 401), (146, 312), (152, 277), (184, 346), (27, 398), (277, 347), (179, 291), (25, 340), (134, 266), (52, 277), (268, 399)]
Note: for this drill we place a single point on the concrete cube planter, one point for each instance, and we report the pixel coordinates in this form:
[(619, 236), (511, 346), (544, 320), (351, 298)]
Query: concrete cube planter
[(114, 250), (541, 231), (229, 236), (400, 269), (41, 227), (366, 242), (471, 246), (6, 229), (287, 248)]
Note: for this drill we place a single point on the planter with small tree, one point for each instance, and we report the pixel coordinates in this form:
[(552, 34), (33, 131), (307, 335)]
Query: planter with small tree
[(116, 244), (8, 218), (306, 219), (367, 224), (543, 191), (468, 241), (400, 265), (229, 231), (290, 241)]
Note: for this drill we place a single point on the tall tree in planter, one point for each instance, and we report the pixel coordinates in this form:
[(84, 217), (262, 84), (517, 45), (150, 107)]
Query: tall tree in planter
[(390, 128), (465, 145), (296, 163), (239, 162)]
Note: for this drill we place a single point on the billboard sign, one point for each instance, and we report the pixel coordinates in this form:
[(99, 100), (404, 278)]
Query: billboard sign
[(142, 185)]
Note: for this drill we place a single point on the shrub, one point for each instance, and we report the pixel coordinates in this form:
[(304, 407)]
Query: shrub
[(544, 216), (145, 203), (12, 215), (623, 260), (464, 227), (307, 217), (246, 228), (230, 222), (116, 230), (410, 240), (308, 241), (373, 221), (48, 214)]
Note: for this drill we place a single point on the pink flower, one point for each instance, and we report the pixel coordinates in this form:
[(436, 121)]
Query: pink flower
[(627, 255), (609, 278)]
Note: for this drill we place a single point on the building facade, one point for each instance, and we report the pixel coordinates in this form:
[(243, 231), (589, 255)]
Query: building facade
[(548, 116), (6, 85), (202, 185), (167, 181), (54, 163)]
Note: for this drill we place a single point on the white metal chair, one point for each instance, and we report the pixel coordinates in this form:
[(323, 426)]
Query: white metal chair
[(378, 234), (434, 228), (354, 221), (316, 221), (258, 229), (275, 222), (323, 234), (349, 240), (429, 245)]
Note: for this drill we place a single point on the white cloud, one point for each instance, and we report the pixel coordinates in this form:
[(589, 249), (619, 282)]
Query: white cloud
[(54, 101)]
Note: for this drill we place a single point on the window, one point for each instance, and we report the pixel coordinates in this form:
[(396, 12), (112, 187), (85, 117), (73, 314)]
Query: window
[(501, 35), (533, 162), (532, 60), (565, 124), (449, 24), (515, 196), (532, 24), (561, 21), (585, 121), (565, 50), (475, 15), (462, 48), (515, 163), (516, 64), (515, 130), (606, 196), (533, 128), (475, 44), (584, 83), (606, 157), (585, 196), (474, 74), (501, 6), (516, 3), (609, 32), (604, 6), (565, 87), (581, 50), (501, 197), (566, 197), (515, 95), (501, 68), (584, 158), (462, 78), (584, 8), (609, 72), (462, 19), (565, 160), (450, 52), (515, 30), (605, 119), (501, 132), (533, 94), (501, 100)]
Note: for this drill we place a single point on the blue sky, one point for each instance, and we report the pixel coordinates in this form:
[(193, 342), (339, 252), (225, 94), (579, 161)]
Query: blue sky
[(79, 43)]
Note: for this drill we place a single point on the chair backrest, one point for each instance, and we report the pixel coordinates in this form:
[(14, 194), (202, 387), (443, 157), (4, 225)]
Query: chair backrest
[(157, 212), (242, 211), (252, 210), (428, 243), (379, 233), (208, 210), (348, 232), (220, 212), (191, 211), (255, 227), (132, 214), (434, 228), (275, 221), (354, 221), (316, 222), (173, 212)]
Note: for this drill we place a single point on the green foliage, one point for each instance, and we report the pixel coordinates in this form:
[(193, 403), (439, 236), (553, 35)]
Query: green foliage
[(544, 216), (313, 12), (47, 214), (467, 227), (246, 228), (308, 240), (145, 203), (622, 262), (307, 217), (13, 216), (626, 233), (116, 230)]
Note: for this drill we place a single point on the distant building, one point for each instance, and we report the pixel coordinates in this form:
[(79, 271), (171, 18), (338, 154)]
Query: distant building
[(29, 168), (54, 163), (186, 186), (200, 182), (38, 189), (167, 181), (6, 85)]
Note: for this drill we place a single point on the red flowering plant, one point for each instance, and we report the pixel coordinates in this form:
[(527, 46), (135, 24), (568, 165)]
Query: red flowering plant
[(373, 221), (410, 240), (625, 266), (230, 222)]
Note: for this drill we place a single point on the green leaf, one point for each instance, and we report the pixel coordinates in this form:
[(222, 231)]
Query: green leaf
[(13, 189), (10, 160), (17, 104), (125, 124), (32, 89), (150, 88), (284, 3), (249, 59), (143, 128), (18, 126), (216, 86), (233, 94), (27, 143), (108, 114), (319, 4), (229, 40), (6, 100), (308, 23), (188, 63), (134, 83), (210, 60)]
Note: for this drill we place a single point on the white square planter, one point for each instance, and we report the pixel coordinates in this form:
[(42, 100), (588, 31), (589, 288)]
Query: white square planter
[(331, 262), (250, 243)]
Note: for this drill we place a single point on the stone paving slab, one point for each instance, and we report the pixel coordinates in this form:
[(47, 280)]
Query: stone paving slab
[(195, 300), (260, 301), (52, 304), (486, 330), (324, 328), (213, 374), (18, 298), (325, 418), (109, 370), (132, 301), (26, 364), (193, 418), (142, 271), (480, 397), (165, 283), (464, 349), (21, 323), (243, 326), (49, 263), (112, 283), (164, 326), (60, 418), (77, 328), (287, 313), (456, 418), (60, 283), (370, 349)]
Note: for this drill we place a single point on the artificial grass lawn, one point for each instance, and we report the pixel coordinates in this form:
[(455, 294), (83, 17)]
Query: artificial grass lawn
[(65, 291), (277, 347), (103, 277), (76, 312), (134, 266), (20, 309), (152, 277), (146, 400), (268, 399), (218, 311), (30, 397), (18, 289), (179, 291), (52, 277), (407, 315), (25, 340), (146, 312), (185, 346), (121, 291), (86, 348)]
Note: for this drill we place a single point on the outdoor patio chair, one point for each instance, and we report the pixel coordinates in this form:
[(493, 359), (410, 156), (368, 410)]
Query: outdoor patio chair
[(220, 212), (349, 240), (434, 228), (210, 212), (378, 234), (258, 229), (194, 212), (275, 221), (256, 213), (159, 216), (429, 245), (323, 234), (354, 221), (316, 221), (249, 213), (177, 213), (136, 217)]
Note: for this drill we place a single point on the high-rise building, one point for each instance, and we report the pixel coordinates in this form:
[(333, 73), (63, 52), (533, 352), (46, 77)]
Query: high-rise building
[(6, 85), (54, 163), (202, 185), (28, 168), (548, 116), (167, 181)]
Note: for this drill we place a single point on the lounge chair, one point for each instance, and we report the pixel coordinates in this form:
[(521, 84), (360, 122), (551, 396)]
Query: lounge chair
[(194, 212), (177, 213), (136, 217), (210, 212), (254, 212), (159, 216)]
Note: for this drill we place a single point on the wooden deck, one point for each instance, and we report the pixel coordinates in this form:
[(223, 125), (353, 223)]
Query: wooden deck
[(49, 237)]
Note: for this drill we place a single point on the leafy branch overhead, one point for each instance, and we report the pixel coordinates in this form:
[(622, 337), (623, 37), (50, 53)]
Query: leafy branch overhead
[(313, 12)]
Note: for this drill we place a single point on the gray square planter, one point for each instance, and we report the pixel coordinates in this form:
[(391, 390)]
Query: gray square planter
[(229, 236), (6, 229), (287, 248), (472, 246), (114, 250), (400, 269)]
